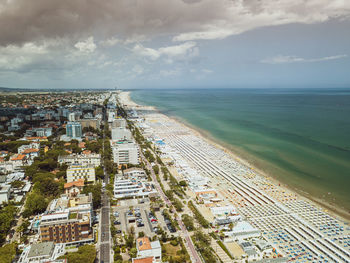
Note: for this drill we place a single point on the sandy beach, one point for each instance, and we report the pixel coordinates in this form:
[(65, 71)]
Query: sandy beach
[(266, 203), (329, 208)]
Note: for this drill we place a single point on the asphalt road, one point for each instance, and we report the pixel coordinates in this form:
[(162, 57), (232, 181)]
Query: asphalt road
[(186, 235), (105, 240), (105, 245)]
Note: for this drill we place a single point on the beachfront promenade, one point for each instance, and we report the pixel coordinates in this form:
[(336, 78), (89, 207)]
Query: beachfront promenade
[(295, 227)]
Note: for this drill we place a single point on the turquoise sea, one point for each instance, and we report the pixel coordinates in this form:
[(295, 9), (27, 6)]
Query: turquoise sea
[(299, 136)]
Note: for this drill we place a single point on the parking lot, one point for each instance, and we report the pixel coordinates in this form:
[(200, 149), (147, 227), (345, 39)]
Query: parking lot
[(135, 213)]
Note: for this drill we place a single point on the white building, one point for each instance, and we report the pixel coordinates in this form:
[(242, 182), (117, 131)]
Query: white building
[(121, 134), (119, 123), (81, 159), (125, 152), (42, 252), (243, 230), (86, 172), (135, 173), (126, 188), (71, 116), (146, 248), (224, 215), (5, 191), (73, 130), (111, 116), (43, 132)]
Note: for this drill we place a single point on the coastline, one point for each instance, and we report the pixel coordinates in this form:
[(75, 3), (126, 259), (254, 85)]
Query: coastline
[(327, 207)]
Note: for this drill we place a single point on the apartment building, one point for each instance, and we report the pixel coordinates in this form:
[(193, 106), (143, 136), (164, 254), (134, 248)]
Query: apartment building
[(76, 172), (73, 130), (126, 188), (69, 220), (135, 173), (93, 122), (125, 152), (93, 159), (119, 123), (121, 134)]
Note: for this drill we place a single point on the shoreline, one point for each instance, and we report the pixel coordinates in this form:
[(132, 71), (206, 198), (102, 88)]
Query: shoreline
[(327, 207)]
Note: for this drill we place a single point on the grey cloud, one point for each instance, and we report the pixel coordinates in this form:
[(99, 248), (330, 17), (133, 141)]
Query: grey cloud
[(294, 59), (27, 21)]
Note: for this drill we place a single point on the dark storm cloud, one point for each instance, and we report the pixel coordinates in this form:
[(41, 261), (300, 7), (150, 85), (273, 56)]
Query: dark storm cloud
[(23, 21), (34, 20)]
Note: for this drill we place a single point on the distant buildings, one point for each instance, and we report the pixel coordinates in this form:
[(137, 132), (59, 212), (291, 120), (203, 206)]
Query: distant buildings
[(73, 130), (111, 116), (76, 172), (30, 151), (71, 117), (93, 123), (81, 159), (125, 152), (39, 132)]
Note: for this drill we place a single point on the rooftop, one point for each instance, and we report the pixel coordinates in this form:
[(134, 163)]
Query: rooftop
[(41, 249), (143, 243), (18, 157), (79, 182), (143, 260)]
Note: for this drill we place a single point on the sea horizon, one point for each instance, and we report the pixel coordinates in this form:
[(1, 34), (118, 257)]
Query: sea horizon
[(291, 151)]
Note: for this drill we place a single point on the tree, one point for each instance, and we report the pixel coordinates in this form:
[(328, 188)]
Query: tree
[(36, 203), (85, 254), (178, 205), (7, 214), (47, 186), (156, 169), (8, 253), (17, 184), (183, 183), (96, 190), (133, 252), (188, 221), (99, 172), (23, 227)]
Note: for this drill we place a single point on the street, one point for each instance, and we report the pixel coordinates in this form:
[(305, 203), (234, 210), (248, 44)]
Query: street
[(188, 243), (105, 235)]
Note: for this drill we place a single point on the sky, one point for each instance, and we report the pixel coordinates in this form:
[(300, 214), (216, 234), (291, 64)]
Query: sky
[(174, 43)]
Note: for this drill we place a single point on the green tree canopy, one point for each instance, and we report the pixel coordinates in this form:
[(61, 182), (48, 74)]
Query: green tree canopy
[(85, 254), (8, 253)]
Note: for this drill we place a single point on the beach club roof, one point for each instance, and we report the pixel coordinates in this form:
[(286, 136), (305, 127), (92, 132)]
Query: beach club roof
[(205, 191), (78, 183)]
